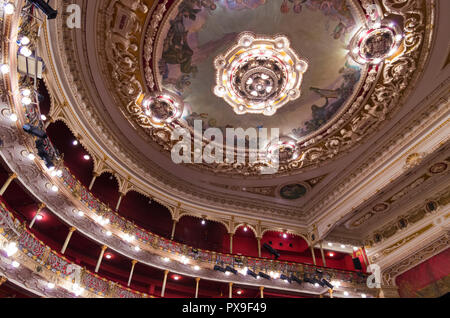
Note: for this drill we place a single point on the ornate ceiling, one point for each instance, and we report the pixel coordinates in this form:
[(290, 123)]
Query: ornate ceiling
[(139, 69)]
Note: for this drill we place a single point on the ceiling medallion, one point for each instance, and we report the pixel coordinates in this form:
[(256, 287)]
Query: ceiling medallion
[(259, 74), (283, 150), (162, 108), (376, 43)]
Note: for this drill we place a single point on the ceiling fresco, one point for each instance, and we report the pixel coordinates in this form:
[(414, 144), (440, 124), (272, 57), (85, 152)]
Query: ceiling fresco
[(198, 31)]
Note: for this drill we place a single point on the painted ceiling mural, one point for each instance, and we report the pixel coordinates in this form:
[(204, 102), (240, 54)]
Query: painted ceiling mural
[(318, 30)]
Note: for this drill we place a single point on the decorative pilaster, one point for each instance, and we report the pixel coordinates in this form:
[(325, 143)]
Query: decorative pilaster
[(261, 290), (231, 243), (7, 183), (69, 236), (173, 229), (41, 206), (331, 292), (230, 290), (323, 255), (197, 281), (94, 177), (133, 263), (166, 272), (259, 246), (104, 247), (120, 201), (313, 255)]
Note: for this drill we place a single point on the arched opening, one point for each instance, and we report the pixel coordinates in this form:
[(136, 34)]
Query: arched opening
[(244, 242), (106, 189), (207, 236), (291, 247), (146, 213), (62, 138)]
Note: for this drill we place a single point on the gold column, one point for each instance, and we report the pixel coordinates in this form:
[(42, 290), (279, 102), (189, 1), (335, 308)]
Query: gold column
[(231, 243), (230, 291), (331, 292), (104, 247), (41, 206), (166, 272), (7, 183), (313, 255), (94, 177), (259, 246), (197, 281), (133, 263), (173, 229), (323, 255), (120, 200), (3, 280), (69, 235), (261, 289)]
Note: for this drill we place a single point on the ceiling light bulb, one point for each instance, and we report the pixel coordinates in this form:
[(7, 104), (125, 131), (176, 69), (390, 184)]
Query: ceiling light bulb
[(176, 277), (26, 92), (15, 264), (31, 156), (227, 273), (51, 285), (342, 246), (25, 51), (363, 295), (109, 233), (108, 256), (137, 248), (355, 248), (331, 254), (86, 157), (345, 293), (245, 229), (80, 213), (13, 117), (54, 188), (316, 285), (239, 292), (25, 40), (11, 249), (59, 173), (9, 8), (4, 69), (284, 235), (26, 101), (398, 37), (203, 222), (39, 217), (43, 117), (196, 267), (75, 142), (166, 259), (330, 244)]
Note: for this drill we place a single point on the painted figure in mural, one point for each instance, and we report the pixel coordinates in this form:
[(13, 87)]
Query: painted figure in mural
[(243, 4), (292, 191), (321, 114), (176, 48)]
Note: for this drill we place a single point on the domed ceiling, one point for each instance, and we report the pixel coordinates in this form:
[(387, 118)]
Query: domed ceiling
[(327, 74)]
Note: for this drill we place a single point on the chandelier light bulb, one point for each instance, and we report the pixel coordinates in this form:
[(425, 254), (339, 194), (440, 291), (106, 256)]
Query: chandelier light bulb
[(15, 264), (26, 101), (26, 92), (9, 8), (4, 68), (25, 51), (25, 40)]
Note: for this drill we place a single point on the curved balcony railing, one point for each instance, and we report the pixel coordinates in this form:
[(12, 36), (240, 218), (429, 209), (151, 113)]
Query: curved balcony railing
[(12, 230), (159, 244)]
